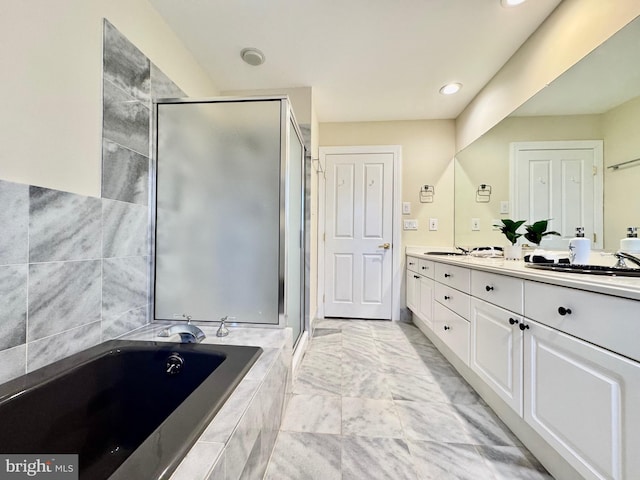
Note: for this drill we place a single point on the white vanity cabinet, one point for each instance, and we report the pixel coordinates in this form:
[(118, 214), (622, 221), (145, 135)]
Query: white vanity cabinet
[(566, 360), (419, 296), (584, 401)]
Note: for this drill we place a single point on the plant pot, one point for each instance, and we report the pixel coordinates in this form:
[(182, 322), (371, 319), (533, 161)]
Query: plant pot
[(513, 252)]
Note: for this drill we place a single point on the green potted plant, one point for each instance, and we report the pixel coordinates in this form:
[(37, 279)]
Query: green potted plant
[(537, 231), (509, 229)]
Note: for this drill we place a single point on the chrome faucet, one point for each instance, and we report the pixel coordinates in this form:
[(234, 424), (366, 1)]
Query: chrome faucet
[(223, 331), (188, 333), (622, 256)]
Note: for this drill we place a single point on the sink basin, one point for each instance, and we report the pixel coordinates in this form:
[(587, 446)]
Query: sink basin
[(590, 269), (446, 254)]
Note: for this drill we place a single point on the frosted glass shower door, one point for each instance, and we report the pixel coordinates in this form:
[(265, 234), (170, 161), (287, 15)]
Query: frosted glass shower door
[(218, 212)]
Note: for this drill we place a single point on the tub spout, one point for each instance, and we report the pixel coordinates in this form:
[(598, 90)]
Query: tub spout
[(188, 333)]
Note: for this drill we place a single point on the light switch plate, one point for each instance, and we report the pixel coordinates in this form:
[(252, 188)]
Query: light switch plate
[(504, 206), (410, 224), (475, 224), (433, 224), (406, 208)]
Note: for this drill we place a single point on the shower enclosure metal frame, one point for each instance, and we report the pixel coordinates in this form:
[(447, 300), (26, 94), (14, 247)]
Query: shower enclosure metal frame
[(287, 119)]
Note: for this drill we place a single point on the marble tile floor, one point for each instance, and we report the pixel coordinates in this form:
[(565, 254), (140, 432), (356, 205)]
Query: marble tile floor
[(376, 400)]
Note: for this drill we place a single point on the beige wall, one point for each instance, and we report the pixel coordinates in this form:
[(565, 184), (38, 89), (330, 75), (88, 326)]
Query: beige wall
[(427, 152), (574, 29), (487, 161), (51, 107), (621, 193), (301, 99)]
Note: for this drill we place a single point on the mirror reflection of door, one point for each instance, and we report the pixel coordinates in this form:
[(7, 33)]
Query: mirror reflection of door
[(561, 181)]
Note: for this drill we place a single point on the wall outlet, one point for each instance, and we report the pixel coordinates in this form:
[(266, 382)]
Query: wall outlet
[(475, 224), (410, 224), (504, 207), (406, 208), (433, 224)]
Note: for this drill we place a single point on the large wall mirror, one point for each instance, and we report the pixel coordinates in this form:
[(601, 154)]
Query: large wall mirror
[(557, 155)]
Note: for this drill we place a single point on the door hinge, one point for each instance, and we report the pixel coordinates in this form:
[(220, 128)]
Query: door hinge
[(324, 237), (594, 238), (595, 170), (323, 298)]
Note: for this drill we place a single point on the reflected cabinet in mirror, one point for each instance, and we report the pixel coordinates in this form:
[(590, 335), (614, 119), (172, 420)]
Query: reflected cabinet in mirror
[(557, 156)]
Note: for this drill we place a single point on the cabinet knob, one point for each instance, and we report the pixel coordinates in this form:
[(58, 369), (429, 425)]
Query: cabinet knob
[(416, 276), (447, 275), (425, 268), (447, 297), (513, 321), (411, 263), (447, 327), (524, 327), (564, 311), (488, 288)]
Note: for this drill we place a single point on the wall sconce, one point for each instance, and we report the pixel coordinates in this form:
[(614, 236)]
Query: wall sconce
[(426, 193), (483, 194)]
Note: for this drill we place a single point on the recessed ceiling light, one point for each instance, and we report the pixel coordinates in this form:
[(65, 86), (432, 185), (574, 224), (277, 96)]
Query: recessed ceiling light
[(451, 88), (252, 56), (511, 3)]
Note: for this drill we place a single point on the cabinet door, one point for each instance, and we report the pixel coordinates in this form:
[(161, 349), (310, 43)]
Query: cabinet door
[(496, 350), (412, 291), (425, 301), (584, 401)]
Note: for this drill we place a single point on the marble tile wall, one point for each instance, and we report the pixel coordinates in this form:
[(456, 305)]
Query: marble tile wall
[(74, 269), (62, 286)]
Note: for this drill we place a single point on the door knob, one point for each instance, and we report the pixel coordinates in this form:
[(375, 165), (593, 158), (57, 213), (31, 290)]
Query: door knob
[(386, 246)]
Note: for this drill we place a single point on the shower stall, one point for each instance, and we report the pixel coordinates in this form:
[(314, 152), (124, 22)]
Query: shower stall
[(229, 212)]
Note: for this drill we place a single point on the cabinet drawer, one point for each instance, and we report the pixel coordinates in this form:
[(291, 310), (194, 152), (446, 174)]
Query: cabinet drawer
[(507, 292), (412, 264), (454, 299), (456, 277), (453, 330), (425, 268), (610, 322)]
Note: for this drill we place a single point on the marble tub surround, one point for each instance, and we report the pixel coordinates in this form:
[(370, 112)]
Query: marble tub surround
[(239, 440), (75, 273), (63, 226), (14, 218), (130, 83), (418, 420)]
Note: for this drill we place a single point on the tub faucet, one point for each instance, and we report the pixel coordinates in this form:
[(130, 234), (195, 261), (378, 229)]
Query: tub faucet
[(223, 331), (188, 333), (622, 256)]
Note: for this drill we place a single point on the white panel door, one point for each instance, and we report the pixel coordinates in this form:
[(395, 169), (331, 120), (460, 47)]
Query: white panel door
[(358, 227), (561, 181)]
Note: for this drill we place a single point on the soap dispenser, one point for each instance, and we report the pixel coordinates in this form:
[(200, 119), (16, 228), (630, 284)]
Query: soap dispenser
[(631, 244), (579, 248)]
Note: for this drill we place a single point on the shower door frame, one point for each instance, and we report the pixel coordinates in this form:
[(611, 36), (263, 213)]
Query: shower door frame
[(287, 118)]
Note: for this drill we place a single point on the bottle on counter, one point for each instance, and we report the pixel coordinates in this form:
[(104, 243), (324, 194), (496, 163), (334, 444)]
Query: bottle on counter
[(631, 244), (579, 248)]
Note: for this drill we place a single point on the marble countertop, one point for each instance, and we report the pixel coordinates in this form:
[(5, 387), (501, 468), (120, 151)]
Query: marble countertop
[(626, 287)]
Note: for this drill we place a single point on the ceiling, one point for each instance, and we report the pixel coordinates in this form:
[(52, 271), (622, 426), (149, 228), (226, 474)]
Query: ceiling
[(367, 60)]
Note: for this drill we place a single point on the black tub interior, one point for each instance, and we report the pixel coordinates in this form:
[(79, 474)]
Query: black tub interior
[(105, 409)]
